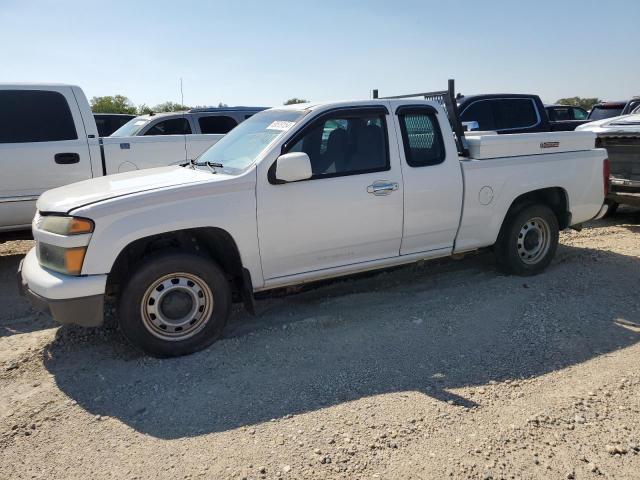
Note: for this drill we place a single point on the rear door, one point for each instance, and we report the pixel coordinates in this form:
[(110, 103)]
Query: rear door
[(42, 146), (349, 212), (161, 143), (432, 180)]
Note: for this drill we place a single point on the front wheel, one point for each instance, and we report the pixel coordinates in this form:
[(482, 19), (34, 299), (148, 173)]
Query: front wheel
[(174, 304), (528, 241)]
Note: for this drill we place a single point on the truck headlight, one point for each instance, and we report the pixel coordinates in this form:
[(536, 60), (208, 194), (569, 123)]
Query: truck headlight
[(64, 260), (66, 225), (67, 260)]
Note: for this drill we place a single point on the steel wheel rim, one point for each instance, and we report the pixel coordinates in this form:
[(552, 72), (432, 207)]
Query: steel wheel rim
[(176, 306), (534, 240)]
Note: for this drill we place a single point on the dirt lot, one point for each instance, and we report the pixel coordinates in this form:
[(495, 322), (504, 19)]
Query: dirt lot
[(441, 370)]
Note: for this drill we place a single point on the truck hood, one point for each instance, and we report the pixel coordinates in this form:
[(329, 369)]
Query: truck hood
[(622, 123), (64, 199)]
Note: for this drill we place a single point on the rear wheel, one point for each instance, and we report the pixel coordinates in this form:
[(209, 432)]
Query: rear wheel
[(528, 241), (174, 304)]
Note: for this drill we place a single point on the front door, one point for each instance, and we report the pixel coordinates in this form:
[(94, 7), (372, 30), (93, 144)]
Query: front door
[(349, 212), (42, 146)]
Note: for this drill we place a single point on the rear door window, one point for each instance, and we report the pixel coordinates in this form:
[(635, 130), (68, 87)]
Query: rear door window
[(514, 113), (172, 126), (480, 112), (421, 137), (220, 124), (579, 114), (562, 113), (35, 116)]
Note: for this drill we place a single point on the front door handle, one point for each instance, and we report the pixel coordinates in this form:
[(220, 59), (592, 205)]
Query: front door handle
[(66, 158), (382, 187)]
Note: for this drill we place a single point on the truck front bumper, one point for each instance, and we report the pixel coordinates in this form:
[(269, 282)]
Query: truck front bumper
[(68, 299)]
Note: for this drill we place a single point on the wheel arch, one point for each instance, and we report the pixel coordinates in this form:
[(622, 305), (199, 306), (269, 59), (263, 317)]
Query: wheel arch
[(214, 243), (556, 198)]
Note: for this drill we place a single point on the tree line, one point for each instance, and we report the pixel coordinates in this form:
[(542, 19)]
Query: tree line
[(121, 104), (586, 103)]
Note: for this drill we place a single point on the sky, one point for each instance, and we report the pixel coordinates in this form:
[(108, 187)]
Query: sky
[(245, 52)]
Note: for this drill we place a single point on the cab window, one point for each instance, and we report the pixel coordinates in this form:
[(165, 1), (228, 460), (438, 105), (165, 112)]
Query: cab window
[(345, 144), (172, 126), (35, 116), (219, 124), (421, 137)]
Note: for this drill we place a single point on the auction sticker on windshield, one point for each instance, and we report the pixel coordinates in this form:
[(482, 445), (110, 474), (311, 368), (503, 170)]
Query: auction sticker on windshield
[(282, 125)]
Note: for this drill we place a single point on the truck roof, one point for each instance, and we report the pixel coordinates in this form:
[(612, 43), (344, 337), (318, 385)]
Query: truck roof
[(35, 84), (462, 99), (226, 109), (341, 103)]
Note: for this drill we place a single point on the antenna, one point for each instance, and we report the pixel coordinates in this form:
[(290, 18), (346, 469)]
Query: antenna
[(181, 93)]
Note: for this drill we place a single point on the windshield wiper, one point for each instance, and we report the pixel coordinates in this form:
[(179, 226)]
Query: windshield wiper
[(212, 166)]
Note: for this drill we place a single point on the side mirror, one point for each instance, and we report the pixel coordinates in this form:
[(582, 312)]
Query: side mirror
[(470, 126), (292, 167)]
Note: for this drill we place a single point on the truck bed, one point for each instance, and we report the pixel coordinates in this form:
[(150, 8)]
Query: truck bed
[(491, 184)]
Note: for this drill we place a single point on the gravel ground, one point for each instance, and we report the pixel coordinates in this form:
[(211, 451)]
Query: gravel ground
[(440, 370)]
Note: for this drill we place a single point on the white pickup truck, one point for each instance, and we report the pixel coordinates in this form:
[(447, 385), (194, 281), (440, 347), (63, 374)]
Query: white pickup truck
[(298, 194), (49, 138)]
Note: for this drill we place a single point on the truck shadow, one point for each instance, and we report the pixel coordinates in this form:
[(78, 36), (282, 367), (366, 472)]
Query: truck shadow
[(626, 217), (16, 316), (430, 328)]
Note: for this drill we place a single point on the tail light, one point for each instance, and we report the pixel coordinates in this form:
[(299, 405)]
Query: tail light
[(606, 170)]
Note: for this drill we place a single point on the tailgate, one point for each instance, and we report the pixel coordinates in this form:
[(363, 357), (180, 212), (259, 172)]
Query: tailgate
[(624, 157)]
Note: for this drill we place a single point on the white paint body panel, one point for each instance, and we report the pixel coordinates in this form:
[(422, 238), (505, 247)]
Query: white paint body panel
[(29, 169), (431, 211), (325, 223), (579, 174), (514, 145), (153, 151), (320, 228), (622, 124)]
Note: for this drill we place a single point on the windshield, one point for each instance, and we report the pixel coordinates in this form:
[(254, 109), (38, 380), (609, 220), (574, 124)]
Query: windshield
[(131, 128), (600, 113), (238, 149)]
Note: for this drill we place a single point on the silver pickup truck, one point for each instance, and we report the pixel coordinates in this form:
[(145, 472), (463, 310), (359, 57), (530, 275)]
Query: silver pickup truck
[(621, 137)]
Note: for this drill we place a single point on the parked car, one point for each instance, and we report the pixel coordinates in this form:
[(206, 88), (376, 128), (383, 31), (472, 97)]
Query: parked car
[(197, 121), (298, 194), (107, 123), (48, 138), (604, 110), (564, 113), (510, 113), (631, 106), (621, 137)]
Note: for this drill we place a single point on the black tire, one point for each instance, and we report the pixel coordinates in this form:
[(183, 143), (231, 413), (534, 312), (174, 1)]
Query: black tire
[(613, 208), (167, 285), (528, 240)]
